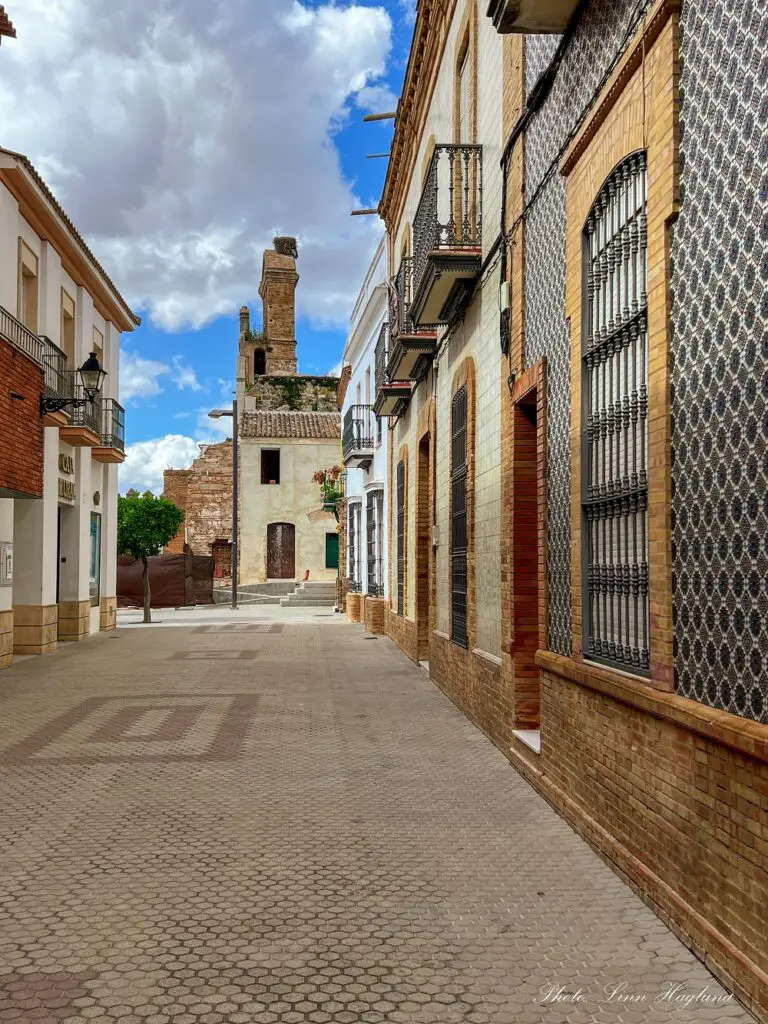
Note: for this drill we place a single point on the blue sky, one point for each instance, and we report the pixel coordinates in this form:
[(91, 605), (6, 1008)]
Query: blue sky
[(182, 136)]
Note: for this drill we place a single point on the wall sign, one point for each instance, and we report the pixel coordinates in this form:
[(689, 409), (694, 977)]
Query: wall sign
[(97, 497), (66, 464), (66, 490)]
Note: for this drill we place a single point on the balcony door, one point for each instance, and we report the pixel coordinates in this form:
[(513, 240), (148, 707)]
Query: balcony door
[(465, 100)]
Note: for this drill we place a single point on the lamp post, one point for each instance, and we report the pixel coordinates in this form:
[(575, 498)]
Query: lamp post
[(216, 414)]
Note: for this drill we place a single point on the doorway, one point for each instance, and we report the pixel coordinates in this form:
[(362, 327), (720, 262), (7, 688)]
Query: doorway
[(526, 542), (423, 547), (222, 559), (281, 551)]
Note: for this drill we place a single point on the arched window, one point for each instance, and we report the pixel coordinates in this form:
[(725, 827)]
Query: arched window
[(259, 362), (615, 425)]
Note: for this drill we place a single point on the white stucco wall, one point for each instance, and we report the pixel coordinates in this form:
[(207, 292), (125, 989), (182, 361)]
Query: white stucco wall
[(33, 523), (476, 338), (287, 502), (369, 314)]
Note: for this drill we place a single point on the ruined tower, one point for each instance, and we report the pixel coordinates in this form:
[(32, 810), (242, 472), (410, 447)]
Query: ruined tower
[(277, 291)]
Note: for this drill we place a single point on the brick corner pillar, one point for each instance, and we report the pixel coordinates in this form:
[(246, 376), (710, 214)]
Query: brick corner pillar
[(355, 607), (375, 615)]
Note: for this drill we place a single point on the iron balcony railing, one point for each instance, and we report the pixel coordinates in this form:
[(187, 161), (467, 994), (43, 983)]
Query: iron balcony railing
[(21, 337), (449, 215), (113, 425), (381, 356), (89, 414), (358, 429), (400, 299), (57, 381)]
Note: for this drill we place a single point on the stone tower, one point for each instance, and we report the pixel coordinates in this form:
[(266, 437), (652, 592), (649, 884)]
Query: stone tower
[(277, 291)]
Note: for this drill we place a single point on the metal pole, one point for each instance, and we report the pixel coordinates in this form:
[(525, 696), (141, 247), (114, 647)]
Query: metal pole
[(235, 509)]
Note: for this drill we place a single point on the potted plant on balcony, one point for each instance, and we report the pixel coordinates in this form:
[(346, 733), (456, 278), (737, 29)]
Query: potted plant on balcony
[(330, 488)]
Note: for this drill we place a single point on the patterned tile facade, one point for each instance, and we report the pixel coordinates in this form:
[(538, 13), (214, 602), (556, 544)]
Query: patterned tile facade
[(602, 33), (720, 360)]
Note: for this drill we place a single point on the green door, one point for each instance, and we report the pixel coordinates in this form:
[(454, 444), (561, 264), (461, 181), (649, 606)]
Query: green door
[(331, 551)]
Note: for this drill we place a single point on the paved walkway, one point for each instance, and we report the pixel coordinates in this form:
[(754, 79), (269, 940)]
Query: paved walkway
[(235, 823)]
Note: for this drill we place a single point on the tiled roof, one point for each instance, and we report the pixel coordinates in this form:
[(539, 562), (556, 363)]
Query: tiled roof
[(291, 424), (6, 27)]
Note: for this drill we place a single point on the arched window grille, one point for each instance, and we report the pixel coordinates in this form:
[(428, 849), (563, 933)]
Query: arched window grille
[(615, 421), (459, 541)]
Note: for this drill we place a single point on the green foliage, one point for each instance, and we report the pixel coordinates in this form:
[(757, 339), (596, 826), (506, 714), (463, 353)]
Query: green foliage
[(291, 389), (145, 524)]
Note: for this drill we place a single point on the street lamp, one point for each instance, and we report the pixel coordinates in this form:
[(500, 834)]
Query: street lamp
[(217, 414), (91, 375)]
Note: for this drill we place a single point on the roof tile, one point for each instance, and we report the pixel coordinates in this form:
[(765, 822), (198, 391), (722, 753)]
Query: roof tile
[(291, 424)]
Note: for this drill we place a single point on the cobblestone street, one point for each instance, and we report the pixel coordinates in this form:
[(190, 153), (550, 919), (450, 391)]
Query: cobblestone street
[(255, 822)]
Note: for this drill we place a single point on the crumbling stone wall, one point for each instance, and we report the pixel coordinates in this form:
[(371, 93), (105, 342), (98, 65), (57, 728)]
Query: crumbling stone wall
[(304, 394), (204, 491)]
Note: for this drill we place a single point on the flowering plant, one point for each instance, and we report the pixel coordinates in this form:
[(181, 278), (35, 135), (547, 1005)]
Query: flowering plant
[(330, 487)]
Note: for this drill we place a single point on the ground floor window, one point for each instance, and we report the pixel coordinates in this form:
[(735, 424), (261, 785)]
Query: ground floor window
[(375, 541), (459, 535), (354, 528)]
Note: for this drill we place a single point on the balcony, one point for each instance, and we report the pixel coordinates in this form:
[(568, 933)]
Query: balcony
[(83, 428), (112, 447), (392, 396), (447, 236), (359, 425), (411, 347), (531, 15), (57, 382)]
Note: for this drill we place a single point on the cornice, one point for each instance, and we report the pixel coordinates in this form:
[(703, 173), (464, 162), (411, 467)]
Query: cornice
[(427, 47)]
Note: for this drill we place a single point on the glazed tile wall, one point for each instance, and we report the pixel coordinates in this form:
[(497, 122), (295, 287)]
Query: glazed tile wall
[(720, 360), (601, 34)]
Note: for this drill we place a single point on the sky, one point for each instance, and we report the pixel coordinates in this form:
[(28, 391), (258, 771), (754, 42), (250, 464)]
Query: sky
[(181, 136)]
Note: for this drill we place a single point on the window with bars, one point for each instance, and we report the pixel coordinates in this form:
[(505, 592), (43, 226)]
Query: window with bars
[(615, 422), (355, 541), (401, 537), (374, 512), (459, 518)]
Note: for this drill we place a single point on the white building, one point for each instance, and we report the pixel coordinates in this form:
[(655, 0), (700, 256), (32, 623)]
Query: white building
[(59, 449), (364, 441)]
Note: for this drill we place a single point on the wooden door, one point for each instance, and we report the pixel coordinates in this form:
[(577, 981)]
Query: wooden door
[(281, 551)]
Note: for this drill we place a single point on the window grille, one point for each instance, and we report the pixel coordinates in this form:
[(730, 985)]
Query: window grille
[(615, 427), (355, 540), (401, 538), (459, 518), (374, 523)]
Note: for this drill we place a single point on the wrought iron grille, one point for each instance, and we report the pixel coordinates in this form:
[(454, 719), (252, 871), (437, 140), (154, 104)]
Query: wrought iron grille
[(358, 429), (400, 299), (381, 355), (21, 337), (459, 518), (449, 215), (615, 429), (401, 537), (355, 582), (375, 531), (57, 383), (113, 428), (89, 414)]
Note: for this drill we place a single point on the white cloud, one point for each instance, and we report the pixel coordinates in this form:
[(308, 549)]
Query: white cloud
[(145, 461), (184, 376), (139, 377), (182, 415), (377, 99), (182, 136), (409, 6), (335, 371)]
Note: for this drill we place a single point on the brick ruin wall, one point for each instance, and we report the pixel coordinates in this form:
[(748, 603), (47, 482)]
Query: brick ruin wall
[(204, 491), (306, 394)]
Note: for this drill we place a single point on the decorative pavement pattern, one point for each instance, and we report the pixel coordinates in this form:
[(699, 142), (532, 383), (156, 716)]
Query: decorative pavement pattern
[(295, 826)]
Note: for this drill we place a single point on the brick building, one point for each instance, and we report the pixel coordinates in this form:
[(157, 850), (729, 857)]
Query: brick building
[(60, 442), (577, 478), (288, 429)]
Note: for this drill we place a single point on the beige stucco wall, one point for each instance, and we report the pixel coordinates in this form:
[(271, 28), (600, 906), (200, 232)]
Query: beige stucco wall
[(286, 502)]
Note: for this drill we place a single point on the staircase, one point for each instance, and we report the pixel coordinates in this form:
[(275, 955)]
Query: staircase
[(313, 593)]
